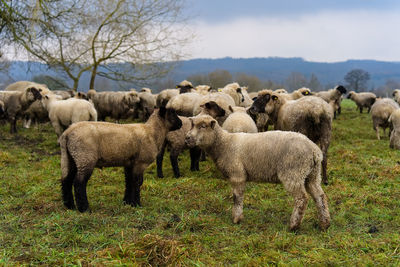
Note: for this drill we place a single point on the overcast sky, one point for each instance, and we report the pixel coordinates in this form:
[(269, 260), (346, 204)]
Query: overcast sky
[(324, 31)]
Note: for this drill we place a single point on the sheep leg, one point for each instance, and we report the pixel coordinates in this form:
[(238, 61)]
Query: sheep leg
[(159, 162), (320, 199), (195, 154), (376, 128), (128, 197), (80, 183), (339, 110), (361, 109), (13, 125), (137, 182), (300, 205), (203, 156), (173, 156), (238, 186), (66, 185)]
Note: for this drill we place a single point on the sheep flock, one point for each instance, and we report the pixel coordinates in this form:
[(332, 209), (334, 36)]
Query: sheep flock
[(266, 136)]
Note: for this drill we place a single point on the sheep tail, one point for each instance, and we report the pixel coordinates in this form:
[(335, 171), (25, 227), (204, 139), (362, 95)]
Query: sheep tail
[(63, 140)]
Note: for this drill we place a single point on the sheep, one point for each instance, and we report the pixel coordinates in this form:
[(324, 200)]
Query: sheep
[(64, 94), (117, 105), (203, 89), (146, 105), (63, 113), (310, 116), (380, 113), (396, 95), (239, 121), (281, 91), (175, 142), (277, 157), (37, 113), (335, 95), (86, 145), (362, 100), (184, 87), (238, 94), (164, 96), (394, 120), (145, 89), (185, 104), (22, 85), (17, 102), (215, 105), (297, 93)]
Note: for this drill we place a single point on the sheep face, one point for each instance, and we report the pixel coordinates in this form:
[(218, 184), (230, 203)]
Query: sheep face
[(305, 91), (33, 94), (171, 118), (202, 132), (341, 89), (259, 104), (213, 109)]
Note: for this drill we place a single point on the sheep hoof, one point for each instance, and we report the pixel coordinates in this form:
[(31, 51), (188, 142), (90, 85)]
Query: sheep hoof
[(237, 219), (325, 182)]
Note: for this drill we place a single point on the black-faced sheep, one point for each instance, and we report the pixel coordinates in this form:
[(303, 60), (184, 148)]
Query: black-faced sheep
[(363, 100), (63, 113), (17, 102), (277, 157), (310, 116), (380, 113), (334, 95), (394, 120), (86, 145), (175, 142)]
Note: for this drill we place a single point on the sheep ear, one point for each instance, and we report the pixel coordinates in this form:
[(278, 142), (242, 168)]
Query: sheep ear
[(162, 112), (212, 124), (239, 90), (230, 109), (274, 97), (191, 123)]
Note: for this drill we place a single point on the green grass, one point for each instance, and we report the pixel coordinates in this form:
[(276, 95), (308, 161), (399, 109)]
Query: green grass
[(187, 221)]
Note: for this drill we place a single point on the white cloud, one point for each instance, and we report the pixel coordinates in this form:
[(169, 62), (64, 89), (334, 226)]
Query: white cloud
[(325, 37)]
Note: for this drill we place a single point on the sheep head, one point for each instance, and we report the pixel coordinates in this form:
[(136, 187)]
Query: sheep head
[(260, 102), (185, 87), (170, 117), (341, 89), (33, 94), (202, 132), (350, 95), (213, 109)]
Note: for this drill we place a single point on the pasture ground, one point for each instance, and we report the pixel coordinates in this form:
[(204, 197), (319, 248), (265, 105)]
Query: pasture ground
[(187, 221)]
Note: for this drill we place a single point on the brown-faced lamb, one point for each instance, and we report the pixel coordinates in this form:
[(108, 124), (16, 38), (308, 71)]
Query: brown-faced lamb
[(239, 121), (396, 95), (86, 145), (17, 102), (63, 113), (394, 120), (310, 116), (116, 105), (334, 95), (277, 157), (362, 100), (380, 113), (175, 142)]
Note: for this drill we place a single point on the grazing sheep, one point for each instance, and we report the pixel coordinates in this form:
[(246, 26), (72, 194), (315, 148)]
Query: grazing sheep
[(310, 116), (362, 100), (335, 95), (276, 157), (17, 102), (63, 113), (86, 145), (116, 105), (396, 95), (380, 113), (394, 120), (175, 142), (239, 121)]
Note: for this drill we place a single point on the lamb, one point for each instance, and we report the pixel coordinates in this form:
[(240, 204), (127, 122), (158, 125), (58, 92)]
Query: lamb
[(63, 113), (394, 120), (86, 145), (380, 113), (17, 102), (362, 100), (117, 105), (334, 95), (277, 157), (396, 95), (310, 116), (175, 141), (239, 121)]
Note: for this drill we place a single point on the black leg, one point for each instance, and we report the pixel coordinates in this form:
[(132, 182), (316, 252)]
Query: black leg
[(361, 109), (66, 187), (203, 156), (174, 162), (195, 154), (159, 161), (80, 183), (138, 181), (128, 197), (340, 110)]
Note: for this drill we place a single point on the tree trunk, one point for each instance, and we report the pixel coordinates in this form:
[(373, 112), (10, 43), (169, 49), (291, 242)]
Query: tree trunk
[(93, 77)]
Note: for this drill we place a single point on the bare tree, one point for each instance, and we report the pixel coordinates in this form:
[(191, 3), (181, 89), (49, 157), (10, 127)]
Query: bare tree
[(122, 40), (219, 78), (295, 81), (357, 79), (252, 82), (314, 83)]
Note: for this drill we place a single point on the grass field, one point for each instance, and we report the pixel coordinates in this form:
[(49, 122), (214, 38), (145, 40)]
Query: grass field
[(187, 221)]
